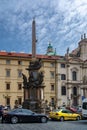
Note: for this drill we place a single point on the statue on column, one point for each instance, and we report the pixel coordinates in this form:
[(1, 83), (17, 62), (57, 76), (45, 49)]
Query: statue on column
[(35, 78), (34, 82)]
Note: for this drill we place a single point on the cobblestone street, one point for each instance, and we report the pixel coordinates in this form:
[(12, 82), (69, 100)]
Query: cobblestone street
[(51, 125)]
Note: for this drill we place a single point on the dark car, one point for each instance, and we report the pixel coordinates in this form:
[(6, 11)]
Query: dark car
[(23, 115), (1, 110)]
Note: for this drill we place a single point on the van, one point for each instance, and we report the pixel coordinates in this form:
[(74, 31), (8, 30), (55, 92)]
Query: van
[(84, 109)]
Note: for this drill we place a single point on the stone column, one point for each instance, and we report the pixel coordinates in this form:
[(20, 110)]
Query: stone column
[(25, 94), (33, 39), (42, 95)]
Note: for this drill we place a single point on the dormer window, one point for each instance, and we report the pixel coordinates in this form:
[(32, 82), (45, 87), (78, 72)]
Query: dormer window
[(19, 62), (7, 62), (52, 64)]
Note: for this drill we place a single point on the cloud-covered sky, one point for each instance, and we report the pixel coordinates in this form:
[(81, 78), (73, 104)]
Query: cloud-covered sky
[(60, 22)]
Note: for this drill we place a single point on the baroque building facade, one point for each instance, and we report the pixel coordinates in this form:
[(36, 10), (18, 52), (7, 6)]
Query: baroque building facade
[(72, 75), (65, 77)]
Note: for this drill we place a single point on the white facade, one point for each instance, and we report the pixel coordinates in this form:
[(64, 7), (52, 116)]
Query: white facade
[(72, 78)]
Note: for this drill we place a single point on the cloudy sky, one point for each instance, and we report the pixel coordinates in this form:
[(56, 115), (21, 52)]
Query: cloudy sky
[(60, 22)]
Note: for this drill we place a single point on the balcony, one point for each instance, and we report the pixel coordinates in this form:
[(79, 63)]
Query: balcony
[(75, 96), (74, 82)]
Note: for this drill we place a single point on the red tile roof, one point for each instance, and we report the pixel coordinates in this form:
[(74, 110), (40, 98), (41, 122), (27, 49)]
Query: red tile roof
[(25, 55)]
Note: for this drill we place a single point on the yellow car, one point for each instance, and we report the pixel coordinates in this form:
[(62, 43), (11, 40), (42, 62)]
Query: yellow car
[(64, 114)]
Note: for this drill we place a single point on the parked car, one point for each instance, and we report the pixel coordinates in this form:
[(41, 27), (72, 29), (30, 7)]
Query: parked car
[(23, 115), (74, 110), (1, 110), (64, 114)]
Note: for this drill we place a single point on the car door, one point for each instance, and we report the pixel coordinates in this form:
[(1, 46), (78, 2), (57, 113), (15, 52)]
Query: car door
[(66, 114), (20, 114), (28, 116), (74, 116), (71, 115)]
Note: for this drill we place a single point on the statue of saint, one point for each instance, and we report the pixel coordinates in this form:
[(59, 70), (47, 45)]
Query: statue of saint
[(85, 79)]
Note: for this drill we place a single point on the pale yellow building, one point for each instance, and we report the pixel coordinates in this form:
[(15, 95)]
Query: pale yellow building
[(12, 65)]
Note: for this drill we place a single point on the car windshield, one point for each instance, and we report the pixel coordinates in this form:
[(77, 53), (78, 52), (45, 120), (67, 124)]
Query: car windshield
[(56, 110), (66, 111), (27, 111), (85, 105)]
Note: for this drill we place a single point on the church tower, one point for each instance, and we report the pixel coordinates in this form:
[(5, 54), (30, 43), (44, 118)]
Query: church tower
[(50, 51), (83, 47)]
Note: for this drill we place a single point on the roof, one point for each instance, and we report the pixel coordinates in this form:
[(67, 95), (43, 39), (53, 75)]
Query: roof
[(26, 55), (75, 51)]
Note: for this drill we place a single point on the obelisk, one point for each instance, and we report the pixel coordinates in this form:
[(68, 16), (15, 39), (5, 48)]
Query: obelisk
[(33, 39)]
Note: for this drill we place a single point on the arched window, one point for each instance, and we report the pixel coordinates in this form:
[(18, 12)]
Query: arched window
[(74, 75)]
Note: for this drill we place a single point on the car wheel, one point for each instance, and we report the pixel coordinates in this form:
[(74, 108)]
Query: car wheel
[(14, 120), (78, 118), (61, 118), (43, 119), (52, 119)]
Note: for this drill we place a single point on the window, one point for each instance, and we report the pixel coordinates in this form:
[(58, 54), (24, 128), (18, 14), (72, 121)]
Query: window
[(52, 64), (52, 74), (52, 101), (19, 100), (74, 91), (8, 100), (52, 87), (7, 62), (7, 72), (74, 76), (63, 90), (84, 106), (19, 86), (19, 73), (7, 86), (64, 111), (19, 62), (62, 65), (63, 77)]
